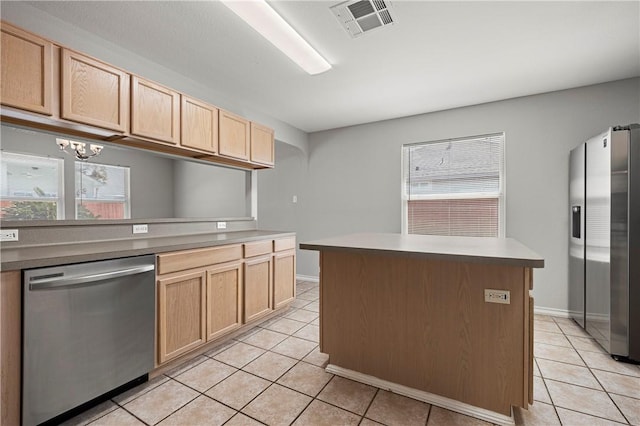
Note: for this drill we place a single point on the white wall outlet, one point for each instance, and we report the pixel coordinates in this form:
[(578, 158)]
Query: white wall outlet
[(140, 229), (497, 296), (295, 199), (222, 225), (8, 235)]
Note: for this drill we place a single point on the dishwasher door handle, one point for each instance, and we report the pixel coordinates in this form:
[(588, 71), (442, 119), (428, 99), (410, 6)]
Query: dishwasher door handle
[(62, 281)]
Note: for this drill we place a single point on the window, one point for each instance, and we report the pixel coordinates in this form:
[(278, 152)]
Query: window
[(454, 187), (32, 187), (102, 191)]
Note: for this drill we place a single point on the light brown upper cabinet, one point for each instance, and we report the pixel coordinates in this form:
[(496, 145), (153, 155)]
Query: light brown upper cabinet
[(155, 111), (234, 138), (199, 125), (93, 92), (262, 149), (27, 73)]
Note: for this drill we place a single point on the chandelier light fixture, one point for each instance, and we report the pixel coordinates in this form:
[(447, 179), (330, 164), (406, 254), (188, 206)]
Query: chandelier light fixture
[(79, 149)]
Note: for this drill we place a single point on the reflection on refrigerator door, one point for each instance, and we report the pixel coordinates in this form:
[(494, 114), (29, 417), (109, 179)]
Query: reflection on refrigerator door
[(576, 240)]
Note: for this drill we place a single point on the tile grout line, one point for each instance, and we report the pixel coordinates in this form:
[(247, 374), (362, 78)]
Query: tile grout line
[(362, 417), (606, 391), (594, 376), (369, 406)]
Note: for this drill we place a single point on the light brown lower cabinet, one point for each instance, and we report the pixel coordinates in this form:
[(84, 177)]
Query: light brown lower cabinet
[(257, 287), (10, 346), (205, 294), (224, 299), (181, 313), (284, 278)]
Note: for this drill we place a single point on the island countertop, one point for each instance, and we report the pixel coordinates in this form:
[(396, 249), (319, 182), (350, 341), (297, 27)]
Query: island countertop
[(503, 251)]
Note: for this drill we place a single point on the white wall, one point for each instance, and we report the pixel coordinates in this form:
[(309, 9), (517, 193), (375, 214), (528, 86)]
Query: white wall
[(351, 182), (278, 186)]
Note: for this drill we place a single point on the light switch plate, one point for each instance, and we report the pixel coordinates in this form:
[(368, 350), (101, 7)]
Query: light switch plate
[(8, 235), (140, 229), (497, 296), (222, 225)]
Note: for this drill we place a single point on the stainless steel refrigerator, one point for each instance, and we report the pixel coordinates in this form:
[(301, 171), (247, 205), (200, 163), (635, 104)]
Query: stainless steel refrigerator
[(604, 240)]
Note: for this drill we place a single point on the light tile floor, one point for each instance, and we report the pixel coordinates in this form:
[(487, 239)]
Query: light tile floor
[(274, 374)]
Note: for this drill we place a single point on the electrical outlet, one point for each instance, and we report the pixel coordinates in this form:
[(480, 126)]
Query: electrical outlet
[(295, 199), (140, 229), (222, 225), (497, 296), (8, 235)]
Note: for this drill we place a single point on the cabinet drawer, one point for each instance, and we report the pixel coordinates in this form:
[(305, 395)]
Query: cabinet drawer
[(284, 244), (257, 248), (188, 259)]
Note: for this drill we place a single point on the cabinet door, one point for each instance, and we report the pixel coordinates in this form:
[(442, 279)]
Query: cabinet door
[(234, 138), (27, 73), (262, 149), (10, 341), (93, 92), (155, 111), (257, 287), (224, 299), (199, 125), (181, 314), (284, 278)]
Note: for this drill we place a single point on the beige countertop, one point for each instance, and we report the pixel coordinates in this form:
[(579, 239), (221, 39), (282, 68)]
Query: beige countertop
[(504, 251), (59, 254)]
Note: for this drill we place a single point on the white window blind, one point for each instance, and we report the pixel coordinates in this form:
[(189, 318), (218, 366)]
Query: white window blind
[(455, 187)]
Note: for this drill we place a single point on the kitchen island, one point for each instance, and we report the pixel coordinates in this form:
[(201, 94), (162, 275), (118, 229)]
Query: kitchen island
[(410, 313)]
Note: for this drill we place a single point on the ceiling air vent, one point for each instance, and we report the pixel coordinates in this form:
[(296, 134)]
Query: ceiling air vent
[(361, 16)]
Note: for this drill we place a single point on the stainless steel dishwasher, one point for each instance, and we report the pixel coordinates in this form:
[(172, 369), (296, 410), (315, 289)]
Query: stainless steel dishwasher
[(88, 329)]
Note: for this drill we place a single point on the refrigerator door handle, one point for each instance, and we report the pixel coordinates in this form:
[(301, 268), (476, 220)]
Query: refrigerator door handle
[(576, 222)]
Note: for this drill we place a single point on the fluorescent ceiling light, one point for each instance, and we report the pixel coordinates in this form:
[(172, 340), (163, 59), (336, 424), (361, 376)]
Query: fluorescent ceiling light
[(259, 15)]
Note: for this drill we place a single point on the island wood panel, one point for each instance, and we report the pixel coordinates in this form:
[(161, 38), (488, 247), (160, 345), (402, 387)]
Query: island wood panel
[(93, 92), (224, 299), (530, 364), (424, 324), (27, 74), (181, 314), (199, 125), (10, 346)]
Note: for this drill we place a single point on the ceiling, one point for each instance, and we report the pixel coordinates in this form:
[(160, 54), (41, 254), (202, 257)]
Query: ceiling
[(438, 55)]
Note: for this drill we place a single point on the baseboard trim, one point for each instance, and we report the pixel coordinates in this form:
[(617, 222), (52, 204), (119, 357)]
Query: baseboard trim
[(440, 401), (563, 313), (307, 278)]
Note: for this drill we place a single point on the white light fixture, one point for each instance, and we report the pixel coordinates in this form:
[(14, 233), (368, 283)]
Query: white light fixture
[(262, 18), (79, 149)]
